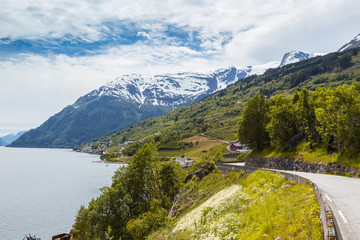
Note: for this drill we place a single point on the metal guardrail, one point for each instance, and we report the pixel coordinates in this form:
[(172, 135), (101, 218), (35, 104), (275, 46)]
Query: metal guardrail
[(329, 224)]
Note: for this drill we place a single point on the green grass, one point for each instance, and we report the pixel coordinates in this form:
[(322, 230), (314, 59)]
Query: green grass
[(115, 148), (319, 156), (262, 205), (280, 209), (195, 151), (266, 153), (315, 155)]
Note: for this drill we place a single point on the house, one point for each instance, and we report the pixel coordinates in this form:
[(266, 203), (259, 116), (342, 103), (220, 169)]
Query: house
[(127, 143), (184, 162), (235, 146), (87, 149)]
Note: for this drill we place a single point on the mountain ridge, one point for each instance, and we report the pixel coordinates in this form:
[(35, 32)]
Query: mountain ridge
[(129, 99), (218, 114), (296, 56), (2, 142), (120, 103), (354, 43)]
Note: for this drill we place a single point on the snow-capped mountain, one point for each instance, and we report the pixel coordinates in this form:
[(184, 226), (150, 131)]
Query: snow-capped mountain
[(352, 44), (172, 90), (177, 89), (130, 99), (297, 56)]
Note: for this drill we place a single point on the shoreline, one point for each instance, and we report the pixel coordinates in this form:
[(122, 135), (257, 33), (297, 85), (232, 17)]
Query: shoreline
[(109, 162)]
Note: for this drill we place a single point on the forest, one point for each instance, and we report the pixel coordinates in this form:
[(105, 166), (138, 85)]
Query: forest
[(328, 118)]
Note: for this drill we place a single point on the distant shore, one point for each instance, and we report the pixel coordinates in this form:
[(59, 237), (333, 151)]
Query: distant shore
[(110, 162)]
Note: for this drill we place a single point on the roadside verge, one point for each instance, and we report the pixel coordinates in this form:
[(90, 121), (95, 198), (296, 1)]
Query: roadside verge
[(329, 224)]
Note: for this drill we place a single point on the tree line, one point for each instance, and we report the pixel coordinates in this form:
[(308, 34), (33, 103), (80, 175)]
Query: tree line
[(327, 118)]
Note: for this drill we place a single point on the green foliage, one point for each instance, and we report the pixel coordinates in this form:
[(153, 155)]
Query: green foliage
[(280, 210), (252, 125), (140, 193), (132, 149), (283, 122), (337, 111), (215, 155), (147, 222), (108, 235), (261, 206), (170, 178), (328, 118), (109, 156), (241, 157)]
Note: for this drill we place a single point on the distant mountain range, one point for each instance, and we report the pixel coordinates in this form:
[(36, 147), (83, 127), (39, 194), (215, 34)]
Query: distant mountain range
[(5, 140), (133, 98), (2, 142)]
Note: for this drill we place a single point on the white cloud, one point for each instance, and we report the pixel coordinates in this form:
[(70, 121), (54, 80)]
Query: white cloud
[(35, 87), (257, 31), (143, 34)]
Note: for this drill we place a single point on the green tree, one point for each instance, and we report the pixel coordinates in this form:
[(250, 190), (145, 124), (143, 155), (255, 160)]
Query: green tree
[(306, 119), (345, 60), (147, 222), (337, 113), (283, 122), (170, 180), (140, 193), (253, 122)]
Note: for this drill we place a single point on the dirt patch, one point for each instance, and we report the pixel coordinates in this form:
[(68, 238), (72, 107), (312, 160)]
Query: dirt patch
[(203, 139)]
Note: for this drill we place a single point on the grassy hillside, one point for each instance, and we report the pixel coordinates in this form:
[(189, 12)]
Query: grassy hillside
[(217, 115), (262, 205)]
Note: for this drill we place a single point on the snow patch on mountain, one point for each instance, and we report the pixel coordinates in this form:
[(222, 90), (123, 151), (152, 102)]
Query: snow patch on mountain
[(177, 89), (260, 69), (297, 56), (174, 89), (354, 43)]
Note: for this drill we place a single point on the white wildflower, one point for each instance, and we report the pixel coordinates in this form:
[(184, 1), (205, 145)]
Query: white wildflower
[(213, 207)]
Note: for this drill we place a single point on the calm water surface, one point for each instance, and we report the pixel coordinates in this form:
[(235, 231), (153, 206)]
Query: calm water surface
[(41, 190)]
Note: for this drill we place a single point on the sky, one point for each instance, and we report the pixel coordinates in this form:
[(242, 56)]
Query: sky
[(53, 52)]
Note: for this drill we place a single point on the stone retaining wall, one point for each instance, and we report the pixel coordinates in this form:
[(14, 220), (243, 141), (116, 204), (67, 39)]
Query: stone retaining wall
[(292, 165)]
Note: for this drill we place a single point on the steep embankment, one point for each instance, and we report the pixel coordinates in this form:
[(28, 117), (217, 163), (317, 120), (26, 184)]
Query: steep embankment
[(261, 206)]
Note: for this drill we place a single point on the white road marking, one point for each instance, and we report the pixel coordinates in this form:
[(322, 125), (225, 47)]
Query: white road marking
[(343, 217), (328, 197)]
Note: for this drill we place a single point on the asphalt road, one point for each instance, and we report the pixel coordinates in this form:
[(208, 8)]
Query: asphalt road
[(343, 195)]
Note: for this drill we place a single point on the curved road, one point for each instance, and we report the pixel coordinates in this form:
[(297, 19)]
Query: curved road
[(343, 196)]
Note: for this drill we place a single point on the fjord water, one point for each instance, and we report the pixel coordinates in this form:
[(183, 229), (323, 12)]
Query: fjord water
[(41, 190)]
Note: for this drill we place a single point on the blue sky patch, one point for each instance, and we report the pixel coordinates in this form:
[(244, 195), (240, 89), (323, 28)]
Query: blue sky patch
[(111, 34)]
